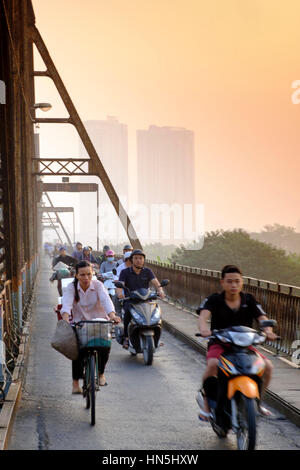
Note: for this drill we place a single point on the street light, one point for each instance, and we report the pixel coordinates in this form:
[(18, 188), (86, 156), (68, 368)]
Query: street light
[(43, 106)]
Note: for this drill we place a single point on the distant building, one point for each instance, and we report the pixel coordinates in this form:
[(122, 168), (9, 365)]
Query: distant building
[(166, 182), (110, 139), (166, 165)]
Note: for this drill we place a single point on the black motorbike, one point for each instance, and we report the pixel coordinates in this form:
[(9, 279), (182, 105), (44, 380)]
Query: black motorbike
[(234, 395), (144, 329)]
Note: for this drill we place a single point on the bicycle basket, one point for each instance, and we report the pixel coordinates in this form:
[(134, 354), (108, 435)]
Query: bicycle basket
[(94, 334)]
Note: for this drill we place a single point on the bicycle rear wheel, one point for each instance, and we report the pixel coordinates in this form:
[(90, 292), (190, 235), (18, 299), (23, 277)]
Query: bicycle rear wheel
[(92, 389)]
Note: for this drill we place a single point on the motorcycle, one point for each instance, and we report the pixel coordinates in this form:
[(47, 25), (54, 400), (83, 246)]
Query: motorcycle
[(144, 329), (234, 395)]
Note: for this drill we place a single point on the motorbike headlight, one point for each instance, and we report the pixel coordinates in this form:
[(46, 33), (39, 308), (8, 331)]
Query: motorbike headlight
[(140, 319), (242, 339), (155, 317)]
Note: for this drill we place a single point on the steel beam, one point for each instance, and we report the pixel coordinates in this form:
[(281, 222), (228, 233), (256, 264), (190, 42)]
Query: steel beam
[(58, 219), (57, 209), (76, 121)]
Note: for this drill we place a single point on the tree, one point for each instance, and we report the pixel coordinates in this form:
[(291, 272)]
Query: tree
[(255, 258)]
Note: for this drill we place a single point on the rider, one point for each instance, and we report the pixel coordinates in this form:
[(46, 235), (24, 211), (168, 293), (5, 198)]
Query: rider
[(126, 264), (126, 249), (66, 259), (87, 255), (110, 262), (136, 277), (231, 307), (77, 253), (87, 299), (103, 256)]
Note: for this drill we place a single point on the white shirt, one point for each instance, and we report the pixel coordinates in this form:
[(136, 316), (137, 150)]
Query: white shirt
[(95, 302), (120, 268)]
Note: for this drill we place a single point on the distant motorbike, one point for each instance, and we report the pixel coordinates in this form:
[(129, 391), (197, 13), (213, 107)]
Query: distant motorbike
[(144, 329), (233, 396)]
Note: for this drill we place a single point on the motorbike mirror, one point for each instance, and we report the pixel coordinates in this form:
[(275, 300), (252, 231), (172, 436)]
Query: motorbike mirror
[(265, 323), (119, 284), (114, 271), (164, 282)]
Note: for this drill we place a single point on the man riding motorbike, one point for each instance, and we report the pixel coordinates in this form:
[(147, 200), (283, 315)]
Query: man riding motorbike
[(63, 258), (126, 249), (136, 277), (230, 308)]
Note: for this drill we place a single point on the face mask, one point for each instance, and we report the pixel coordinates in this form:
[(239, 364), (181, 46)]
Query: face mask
[(110, 258)]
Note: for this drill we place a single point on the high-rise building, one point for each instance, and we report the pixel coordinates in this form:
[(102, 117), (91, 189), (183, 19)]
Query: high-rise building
[(166, 188), (166, 165), (110, 139)]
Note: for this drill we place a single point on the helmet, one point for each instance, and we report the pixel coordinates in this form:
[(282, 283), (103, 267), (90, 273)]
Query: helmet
[(127, 247), (110, 253), (105, 248), (137, 252), (86, 248)]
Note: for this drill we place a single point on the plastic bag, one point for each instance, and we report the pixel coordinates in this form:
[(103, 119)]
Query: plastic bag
[(65, 340)]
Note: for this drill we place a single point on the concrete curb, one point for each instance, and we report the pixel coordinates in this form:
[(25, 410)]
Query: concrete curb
[(288, 410), (8, 413)]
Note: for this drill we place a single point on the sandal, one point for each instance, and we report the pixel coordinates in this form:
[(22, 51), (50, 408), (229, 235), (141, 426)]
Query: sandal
[(126, 343), (203, 415), (264, 411)]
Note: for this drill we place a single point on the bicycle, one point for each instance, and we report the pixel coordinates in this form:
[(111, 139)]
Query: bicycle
[(92, 336)]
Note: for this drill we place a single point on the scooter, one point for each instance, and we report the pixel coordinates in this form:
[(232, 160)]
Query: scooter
[(144, 329), (234, 395)]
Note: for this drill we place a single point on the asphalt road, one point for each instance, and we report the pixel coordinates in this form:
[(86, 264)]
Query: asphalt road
[(141, 408)]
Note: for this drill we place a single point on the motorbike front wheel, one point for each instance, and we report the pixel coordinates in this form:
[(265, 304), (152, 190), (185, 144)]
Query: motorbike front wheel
[(246, 418), (148, 350)]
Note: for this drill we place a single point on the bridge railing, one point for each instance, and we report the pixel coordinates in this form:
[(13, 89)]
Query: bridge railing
[(189, 286), (13, 313)]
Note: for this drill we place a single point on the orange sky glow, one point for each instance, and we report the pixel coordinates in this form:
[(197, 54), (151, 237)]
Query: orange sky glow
[(223, 69)]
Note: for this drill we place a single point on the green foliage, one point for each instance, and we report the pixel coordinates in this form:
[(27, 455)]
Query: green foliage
[(255, 258), (280, 236)]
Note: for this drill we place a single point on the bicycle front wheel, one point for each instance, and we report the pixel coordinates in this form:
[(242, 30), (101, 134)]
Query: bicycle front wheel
[(92, 389), (85, 388)]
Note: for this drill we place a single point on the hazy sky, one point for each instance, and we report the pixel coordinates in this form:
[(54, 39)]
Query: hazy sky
[(223, 69)]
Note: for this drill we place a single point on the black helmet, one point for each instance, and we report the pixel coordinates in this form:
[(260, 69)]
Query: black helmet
[(137, 252)]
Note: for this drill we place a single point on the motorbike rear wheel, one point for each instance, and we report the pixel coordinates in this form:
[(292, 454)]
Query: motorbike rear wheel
[(148, 349), (246, 418)]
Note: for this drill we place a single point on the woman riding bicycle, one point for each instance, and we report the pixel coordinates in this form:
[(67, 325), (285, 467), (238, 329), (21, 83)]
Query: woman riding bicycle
[(87, 299)]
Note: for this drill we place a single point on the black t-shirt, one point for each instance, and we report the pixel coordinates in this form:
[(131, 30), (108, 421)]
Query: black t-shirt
[(222, 316), (68, 260), (135, 281)]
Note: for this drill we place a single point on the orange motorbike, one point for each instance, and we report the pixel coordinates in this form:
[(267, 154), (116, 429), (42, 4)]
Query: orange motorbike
[(235, 394)]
